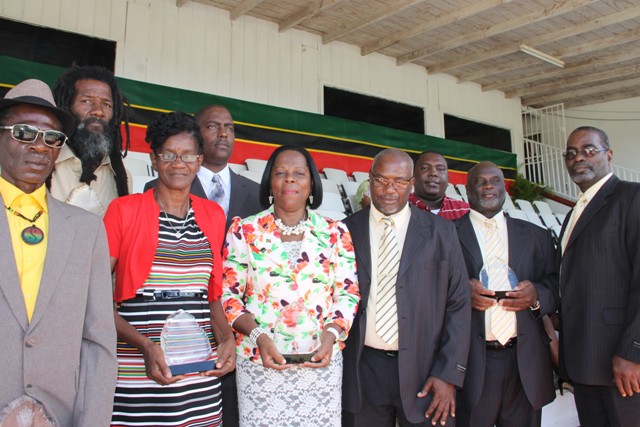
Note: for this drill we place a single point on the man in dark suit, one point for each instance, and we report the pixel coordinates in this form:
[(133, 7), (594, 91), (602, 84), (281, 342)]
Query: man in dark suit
[(239, 195), (600, 286), (407, 348), (509, 375)]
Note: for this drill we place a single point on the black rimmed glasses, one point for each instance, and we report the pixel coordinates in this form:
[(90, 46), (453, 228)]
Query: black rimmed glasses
[(171, 157), (29, 134), (588, 152), (397, 183)]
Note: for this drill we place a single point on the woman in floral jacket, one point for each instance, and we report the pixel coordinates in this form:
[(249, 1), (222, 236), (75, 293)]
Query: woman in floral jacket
[(290, 292)]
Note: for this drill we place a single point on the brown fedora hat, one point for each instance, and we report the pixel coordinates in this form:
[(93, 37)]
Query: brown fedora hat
[(37, 92)]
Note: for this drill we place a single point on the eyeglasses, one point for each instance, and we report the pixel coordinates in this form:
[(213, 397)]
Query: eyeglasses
[(588, 152), (398, 183), (29, 134), (171, 157)]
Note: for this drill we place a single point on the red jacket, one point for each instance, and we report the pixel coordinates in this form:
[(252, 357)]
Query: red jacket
[(132, 231)]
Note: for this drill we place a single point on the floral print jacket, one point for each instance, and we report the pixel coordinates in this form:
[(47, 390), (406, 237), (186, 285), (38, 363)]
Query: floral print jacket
[(258, 278)]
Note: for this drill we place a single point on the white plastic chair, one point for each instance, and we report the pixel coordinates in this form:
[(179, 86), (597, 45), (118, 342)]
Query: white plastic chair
[(329, 185), (534, 219), (542, 206), (252, 175), (331, 202), (549, 220), (237, 167), (359, 176), (138, 167), (337, 175), (350, 188), (525, 205), (508, 204), (256, 165)]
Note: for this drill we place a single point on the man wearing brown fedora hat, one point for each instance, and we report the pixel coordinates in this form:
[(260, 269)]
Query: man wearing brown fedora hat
[(58, 336)]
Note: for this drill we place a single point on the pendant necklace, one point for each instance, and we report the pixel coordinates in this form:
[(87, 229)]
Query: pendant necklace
[(31, 235), (177, 230)]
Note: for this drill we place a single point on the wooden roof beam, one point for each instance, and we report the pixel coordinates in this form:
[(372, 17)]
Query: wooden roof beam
[(605, 43), (574, 81), (432, 24), (622, 84), (570, 31), (244, 7), (541, 14), (394, 8), (180, 3), (308, 12), (585, 65), (603, 97)]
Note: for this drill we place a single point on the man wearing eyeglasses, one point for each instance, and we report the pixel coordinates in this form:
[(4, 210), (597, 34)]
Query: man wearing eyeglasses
[(600, 286), (407, 349), (58, 335)]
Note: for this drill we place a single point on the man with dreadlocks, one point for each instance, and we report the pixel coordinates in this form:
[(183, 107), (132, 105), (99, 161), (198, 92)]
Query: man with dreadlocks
[(89, 171)]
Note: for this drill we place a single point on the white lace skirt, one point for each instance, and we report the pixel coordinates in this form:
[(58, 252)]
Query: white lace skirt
[(300, 397)]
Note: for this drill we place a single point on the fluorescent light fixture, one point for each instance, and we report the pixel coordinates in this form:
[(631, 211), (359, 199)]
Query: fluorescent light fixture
[(541, 55)]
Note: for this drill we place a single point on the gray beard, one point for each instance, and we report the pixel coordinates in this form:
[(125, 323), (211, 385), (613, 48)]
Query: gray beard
[(91, 148)]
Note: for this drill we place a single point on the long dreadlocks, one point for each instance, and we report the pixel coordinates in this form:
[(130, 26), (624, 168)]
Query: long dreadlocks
[(64, 93)]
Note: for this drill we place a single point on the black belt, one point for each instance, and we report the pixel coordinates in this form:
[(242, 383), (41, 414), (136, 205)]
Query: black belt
[(390, 353), (152, 295), (496, 345)]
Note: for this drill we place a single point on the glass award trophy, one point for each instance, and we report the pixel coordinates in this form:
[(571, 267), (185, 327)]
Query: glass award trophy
[(185, 344), (296, 333), (496, 276)]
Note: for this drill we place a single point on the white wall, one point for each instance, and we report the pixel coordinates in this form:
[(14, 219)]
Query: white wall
[(197, 47), (620, 120)]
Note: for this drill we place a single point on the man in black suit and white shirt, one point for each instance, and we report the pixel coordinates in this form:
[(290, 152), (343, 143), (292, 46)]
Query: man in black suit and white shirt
[(600, 286), (407, 349), (509, 375)]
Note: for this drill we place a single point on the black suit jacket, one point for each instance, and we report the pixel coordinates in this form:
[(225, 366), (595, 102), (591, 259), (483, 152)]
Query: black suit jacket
[(600, 285), (245, 200), (531, 257), (434, 310)]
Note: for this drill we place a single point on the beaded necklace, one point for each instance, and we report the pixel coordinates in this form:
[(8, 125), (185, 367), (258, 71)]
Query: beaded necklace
[(31, 235)]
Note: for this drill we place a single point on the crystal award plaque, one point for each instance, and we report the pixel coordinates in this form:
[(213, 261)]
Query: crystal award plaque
[(496, 276), (185, 344), (296, 333)]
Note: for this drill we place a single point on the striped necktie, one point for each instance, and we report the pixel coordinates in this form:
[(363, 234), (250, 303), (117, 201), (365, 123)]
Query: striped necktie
[(217, 190), (503, 323), (575, 215), (388, 262)]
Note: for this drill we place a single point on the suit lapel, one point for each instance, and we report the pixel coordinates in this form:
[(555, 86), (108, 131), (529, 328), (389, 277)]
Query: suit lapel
[(419, 231), (469, 241), (598, 201), (59, 244), (10, 283), (516, 235), (237, 195), (197, 189), (358, 226)]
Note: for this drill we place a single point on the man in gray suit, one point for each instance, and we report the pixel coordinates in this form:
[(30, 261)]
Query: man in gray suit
[(58, 335), (237, 195), (509, 375), (407, 349), (600, 286)]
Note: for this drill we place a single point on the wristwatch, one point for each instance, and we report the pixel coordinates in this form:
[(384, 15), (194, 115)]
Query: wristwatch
[(535, 306)]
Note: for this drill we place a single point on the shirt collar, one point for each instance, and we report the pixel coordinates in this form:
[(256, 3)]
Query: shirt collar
[(591, 191), (206, 174), (10, 193), (398, 218), (66, 154), (477, 219)]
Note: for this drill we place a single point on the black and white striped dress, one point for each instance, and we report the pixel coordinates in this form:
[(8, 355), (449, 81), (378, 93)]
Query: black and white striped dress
[(183, 261)]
